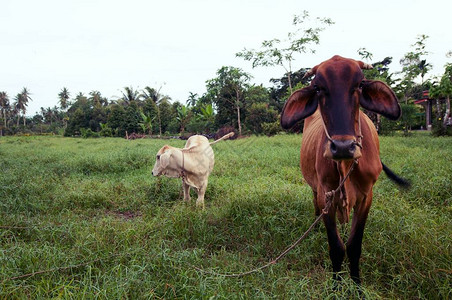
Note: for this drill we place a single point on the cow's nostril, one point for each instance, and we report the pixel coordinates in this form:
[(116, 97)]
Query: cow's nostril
[(343, 149), (333, 147)]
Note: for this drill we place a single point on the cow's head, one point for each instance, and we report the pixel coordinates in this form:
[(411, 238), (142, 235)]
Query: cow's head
[(162, 161), (338, 89)]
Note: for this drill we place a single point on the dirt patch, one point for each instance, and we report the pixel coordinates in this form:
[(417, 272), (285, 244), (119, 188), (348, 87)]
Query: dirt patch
[(125, 215)]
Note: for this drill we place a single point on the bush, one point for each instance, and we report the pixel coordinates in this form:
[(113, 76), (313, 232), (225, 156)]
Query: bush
[(387, 127), (199, 126), (225, 130), (258, 114), (88, 133), (438, 128), (270, 129), (105, 131)]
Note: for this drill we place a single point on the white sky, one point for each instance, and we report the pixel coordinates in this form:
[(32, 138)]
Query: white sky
[(106, 45)]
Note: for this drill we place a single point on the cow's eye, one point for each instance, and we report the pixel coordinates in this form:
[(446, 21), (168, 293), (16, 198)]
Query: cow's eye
[(361, 85), (158, 156), (317, 89)]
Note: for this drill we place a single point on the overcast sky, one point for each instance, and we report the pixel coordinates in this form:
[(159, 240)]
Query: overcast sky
[(106, 45)]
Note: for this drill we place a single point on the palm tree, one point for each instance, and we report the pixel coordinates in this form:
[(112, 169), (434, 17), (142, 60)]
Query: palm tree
[(96, 97), (64, 98), (16, 107), (182, 117), (150, 93), (192, 99), (130, 95), (154, 95), (4, 106), (21, 103), (49, 114)]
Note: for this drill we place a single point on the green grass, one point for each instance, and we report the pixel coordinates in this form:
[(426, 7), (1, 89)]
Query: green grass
[(94, 204)]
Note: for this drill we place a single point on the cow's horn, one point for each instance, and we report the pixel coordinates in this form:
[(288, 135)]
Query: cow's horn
[(364, 66), (308, 74), (367, 66)]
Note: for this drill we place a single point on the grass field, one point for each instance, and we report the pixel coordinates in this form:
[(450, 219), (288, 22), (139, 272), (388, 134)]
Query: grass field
[(89, 214)]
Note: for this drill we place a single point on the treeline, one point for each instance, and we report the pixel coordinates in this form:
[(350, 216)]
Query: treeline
[(230, 102)]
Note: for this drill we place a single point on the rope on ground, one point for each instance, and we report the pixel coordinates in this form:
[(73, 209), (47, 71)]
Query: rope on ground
[(329, 197), (58, 269), (274, 261)]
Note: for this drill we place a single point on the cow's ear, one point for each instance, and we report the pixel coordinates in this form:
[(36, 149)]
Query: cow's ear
[(376, 96), (301, 104), (165, 159)]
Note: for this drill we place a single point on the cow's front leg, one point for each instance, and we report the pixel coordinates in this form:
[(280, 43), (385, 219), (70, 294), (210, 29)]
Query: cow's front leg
[(354, 243), (186, 189), (336, 246)]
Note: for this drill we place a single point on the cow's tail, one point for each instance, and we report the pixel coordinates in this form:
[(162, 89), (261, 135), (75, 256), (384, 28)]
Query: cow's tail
[(404, 183), (230, 134)]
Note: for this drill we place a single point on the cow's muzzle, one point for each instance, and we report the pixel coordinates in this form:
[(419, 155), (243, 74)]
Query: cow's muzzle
[(343, 149)]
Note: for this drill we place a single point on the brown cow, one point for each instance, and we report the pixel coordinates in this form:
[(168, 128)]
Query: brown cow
[(337, 136)]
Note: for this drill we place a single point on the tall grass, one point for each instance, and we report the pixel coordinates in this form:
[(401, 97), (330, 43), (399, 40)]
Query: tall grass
[(93, 208)]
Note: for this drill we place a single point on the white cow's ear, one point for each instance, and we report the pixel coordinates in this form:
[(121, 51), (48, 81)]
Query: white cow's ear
[(165, 159)]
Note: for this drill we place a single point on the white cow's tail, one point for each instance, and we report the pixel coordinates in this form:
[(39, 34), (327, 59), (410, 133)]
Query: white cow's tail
[(230, 134)]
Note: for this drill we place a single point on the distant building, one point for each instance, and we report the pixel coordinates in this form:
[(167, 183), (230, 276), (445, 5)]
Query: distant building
[(427, 103)]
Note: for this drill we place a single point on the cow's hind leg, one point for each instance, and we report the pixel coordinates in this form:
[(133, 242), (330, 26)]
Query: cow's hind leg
[(355, 239), (201, 192), (186, 188)]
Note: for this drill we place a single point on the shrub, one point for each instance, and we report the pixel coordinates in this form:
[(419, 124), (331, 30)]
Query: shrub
[(225, 130), (270, 129), (258, 114), (88, 133)]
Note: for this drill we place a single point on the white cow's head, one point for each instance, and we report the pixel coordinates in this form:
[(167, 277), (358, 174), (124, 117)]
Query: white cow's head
[(162, 162)]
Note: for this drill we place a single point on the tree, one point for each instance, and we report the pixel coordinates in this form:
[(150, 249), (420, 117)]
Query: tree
[(259, 114), (278, 52), (207, 112), (182, 117), (132, 118), (146, 124), (21, 103), (149, 93), (443, 89), (76, 123), (5, 107), (281, 90), (166, 114), (228, 93), (413, 65), (97, 99), (79, 114), (64, 98), (116, 119), (192, 99), (129, 95)]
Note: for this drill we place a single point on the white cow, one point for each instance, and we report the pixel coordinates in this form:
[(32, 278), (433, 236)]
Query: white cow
[(193, 164)]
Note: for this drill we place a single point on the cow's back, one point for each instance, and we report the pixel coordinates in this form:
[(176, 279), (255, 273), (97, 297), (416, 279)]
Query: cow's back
[(196, 140), (200, 158)]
